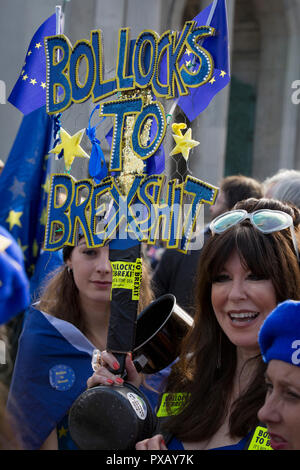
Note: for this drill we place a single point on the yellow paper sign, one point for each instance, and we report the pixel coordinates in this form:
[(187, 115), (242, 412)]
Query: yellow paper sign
[(127, 275), (171, 404), (260, 439)]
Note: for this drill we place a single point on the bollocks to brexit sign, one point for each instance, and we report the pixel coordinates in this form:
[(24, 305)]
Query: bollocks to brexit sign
[(140, 64), (150, 62)]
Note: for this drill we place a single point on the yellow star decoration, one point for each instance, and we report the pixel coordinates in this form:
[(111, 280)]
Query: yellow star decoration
[(31, 268), (212, 81), (43, 218), (4, 243), (70, 145), (184, 143), (223, 73), (14, 219), (47, 185), (35, 248), (62, 432), (23, 248)]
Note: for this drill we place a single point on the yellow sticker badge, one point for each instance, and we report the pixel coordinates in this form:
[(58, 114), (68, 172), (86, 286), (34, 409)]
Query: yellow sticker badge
[(260, 439), (127, 275), (171, 404)]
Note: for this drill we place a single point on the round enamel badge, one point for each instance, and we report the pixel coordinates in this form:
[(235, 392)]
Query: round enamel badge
[(61, 377)]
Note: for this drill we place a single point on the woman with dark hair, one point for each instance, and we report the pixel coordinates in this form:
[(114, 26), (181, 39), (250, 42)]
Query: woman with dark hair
[(250, 264), (244, 273), (56, 346)]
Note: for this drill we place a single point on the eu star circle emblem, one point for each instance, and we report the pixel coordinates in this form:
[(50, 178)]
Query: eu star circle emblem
[(61, 377)]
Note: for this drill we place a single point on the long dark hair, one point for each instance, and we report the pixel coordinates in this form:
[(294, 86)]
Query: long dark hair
[(207, 363)]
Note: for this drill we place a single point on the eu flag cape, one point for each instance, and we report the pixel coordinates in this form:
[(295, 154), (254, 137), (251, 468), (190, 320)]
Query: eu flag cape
[(51, 370)]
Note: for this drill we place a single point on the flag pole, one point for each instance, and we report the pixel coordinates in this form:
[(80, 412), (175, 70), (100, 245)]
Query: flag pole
[(60, 22), (59, 29), (59, 19)]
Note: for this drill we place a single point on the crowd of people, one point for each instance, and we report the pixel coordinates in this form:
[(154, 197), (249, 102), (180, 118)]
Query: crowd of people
[(238, 366)]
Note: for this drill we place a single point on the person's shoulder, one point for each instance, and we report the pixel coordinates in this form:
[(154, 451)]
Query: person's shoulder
[(170, 253), (174, 444), (32, 313), (175, 256), (35, 326)]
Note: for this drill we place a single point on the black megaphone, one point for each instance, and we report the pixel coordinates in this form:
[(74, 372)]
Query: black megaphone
[(115, 418)]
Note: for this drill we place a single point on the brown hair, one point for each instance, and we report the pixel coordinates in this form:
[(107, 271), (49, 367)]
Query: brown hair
[(199, 371), (239, 187)]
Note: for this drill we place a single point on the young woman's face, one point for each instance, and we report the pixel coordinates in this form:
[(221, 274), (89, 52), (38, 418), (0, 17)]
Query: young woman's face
[(281, 411), (92, 273), (241, 302)]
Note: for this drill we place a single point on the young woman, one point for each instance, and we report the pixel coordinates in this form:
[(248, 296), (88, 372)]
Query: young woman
[(249, 265), (56, 346)]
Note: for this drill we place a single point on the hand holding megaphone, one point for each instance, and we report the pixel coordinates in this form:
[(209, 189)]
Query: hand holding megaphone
[(117, 417), (103, 362)]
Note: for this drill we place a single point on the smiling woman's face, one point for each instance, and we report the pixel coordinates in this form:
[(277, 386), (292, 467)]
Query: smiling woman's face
[(92, 273), (241, 302)]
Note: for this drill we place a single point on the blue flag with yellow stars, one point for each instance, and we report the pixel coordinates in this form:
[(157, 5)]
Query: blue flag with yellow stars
[(29, 92), (196, 102), (51, 369), (14, 286), (25, 186)]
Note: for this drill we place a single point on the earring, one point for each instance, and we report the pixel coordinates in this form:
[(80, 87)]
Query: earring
[(69, 270)]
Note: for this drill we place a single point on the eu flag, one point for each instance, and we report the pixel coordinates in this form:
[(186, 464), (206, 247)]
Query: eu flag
[(51, 370), (24, 186), (214, 15), (29, 92), (13, 280), (36, 401)]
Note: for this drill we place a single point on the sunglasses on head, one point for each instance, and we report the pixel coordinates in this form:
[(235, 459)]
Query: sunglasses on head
[(265, 220)]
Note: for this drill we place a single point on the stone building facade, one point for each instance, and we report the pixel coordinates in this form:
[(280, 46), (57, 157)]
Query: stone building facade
[(250, 127)]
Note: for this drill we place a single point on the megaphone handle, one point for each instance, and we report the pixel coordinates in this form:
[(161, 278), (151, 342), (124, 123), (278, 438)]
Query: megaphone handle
[(139, 364), (121, 357)]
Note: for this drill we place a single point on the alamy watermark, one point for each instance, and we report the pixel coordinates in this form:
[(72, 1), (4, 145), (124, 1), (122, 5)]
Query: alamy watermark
[(180, 226), (296, 354), (296, 94), (2, 92)]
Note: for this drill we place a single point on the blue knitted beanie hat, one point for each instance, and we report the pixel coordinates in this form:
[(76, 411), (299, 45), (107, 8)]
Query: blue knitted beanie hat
[(279, 336)]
